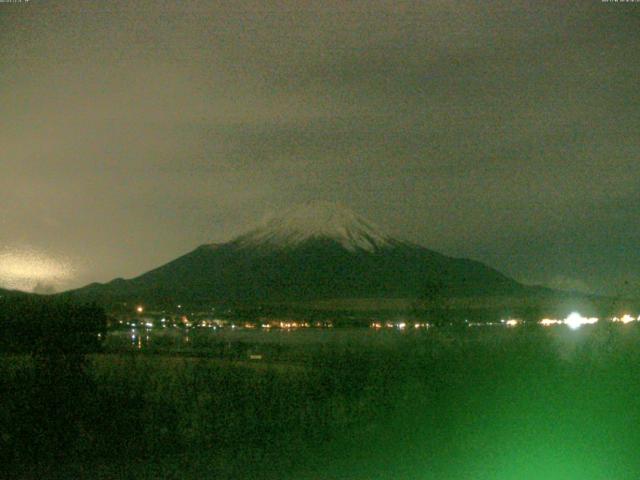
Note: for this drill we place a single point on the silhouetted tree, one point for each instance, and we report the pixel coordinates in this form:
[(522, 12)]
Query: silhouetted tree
[(57, 335)]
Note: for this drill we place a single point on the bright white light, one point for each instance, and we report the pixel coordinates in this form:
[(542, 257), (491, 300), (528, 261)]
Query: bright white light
[(512, 322), (575, 320), (139, 309)]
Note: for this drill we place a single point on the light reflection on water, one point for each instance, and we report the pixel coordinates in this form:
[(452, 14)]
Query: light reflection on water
[(136, 339), (203, 338), (141, 338)]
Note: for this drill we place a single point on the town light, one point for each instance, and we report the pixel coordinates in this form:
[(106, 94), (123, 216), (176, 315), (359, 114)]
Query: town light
[(626, 318), (575, 320), (547, 322)]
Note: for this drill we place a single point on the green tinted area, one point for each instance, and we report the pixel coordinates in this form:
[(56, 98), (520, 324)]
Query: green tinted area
[(530, 406)]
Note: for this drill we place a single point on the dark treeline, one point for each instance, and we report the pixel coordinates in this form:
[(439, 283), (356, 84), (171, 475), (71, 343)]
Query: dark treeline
[(46, 326), (44, 408)]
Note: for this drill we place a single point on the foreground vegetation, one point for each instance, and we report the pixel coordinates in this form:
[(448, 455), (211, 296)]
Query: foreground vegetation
[(522, 403)]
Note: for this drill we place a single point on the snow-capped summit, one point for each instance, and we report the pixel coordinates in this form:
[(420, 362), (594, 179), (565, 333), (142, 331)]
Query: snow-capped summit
[(317, 220)]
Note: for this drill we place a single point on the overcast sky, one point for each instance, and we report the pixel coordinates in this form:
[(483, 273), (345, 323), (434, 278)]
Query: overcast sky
[(508, 132)]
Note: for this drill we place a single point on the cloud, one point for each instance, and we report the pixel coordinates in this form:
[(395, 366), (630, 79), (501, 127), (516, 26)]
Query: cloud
[(44, 288), (501, 131)]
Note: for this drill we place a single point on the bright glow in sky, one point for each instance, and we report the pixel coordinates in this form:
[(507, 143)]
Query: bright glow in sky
[(25, 269)]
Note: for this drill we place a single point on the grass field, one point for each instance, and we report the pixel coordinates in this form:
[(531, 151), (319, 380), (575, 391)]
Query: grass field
[(521, 403)]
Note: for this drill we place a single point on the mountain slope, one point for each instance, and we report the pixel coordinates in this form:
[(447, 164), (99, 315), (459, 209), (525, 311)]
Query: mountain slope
[(316, 251), (4, 293)]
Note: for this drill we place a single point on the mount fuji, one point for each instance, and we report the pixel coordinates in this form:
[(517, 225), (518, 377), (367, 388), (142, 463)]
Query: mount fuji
[(312, 252)]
